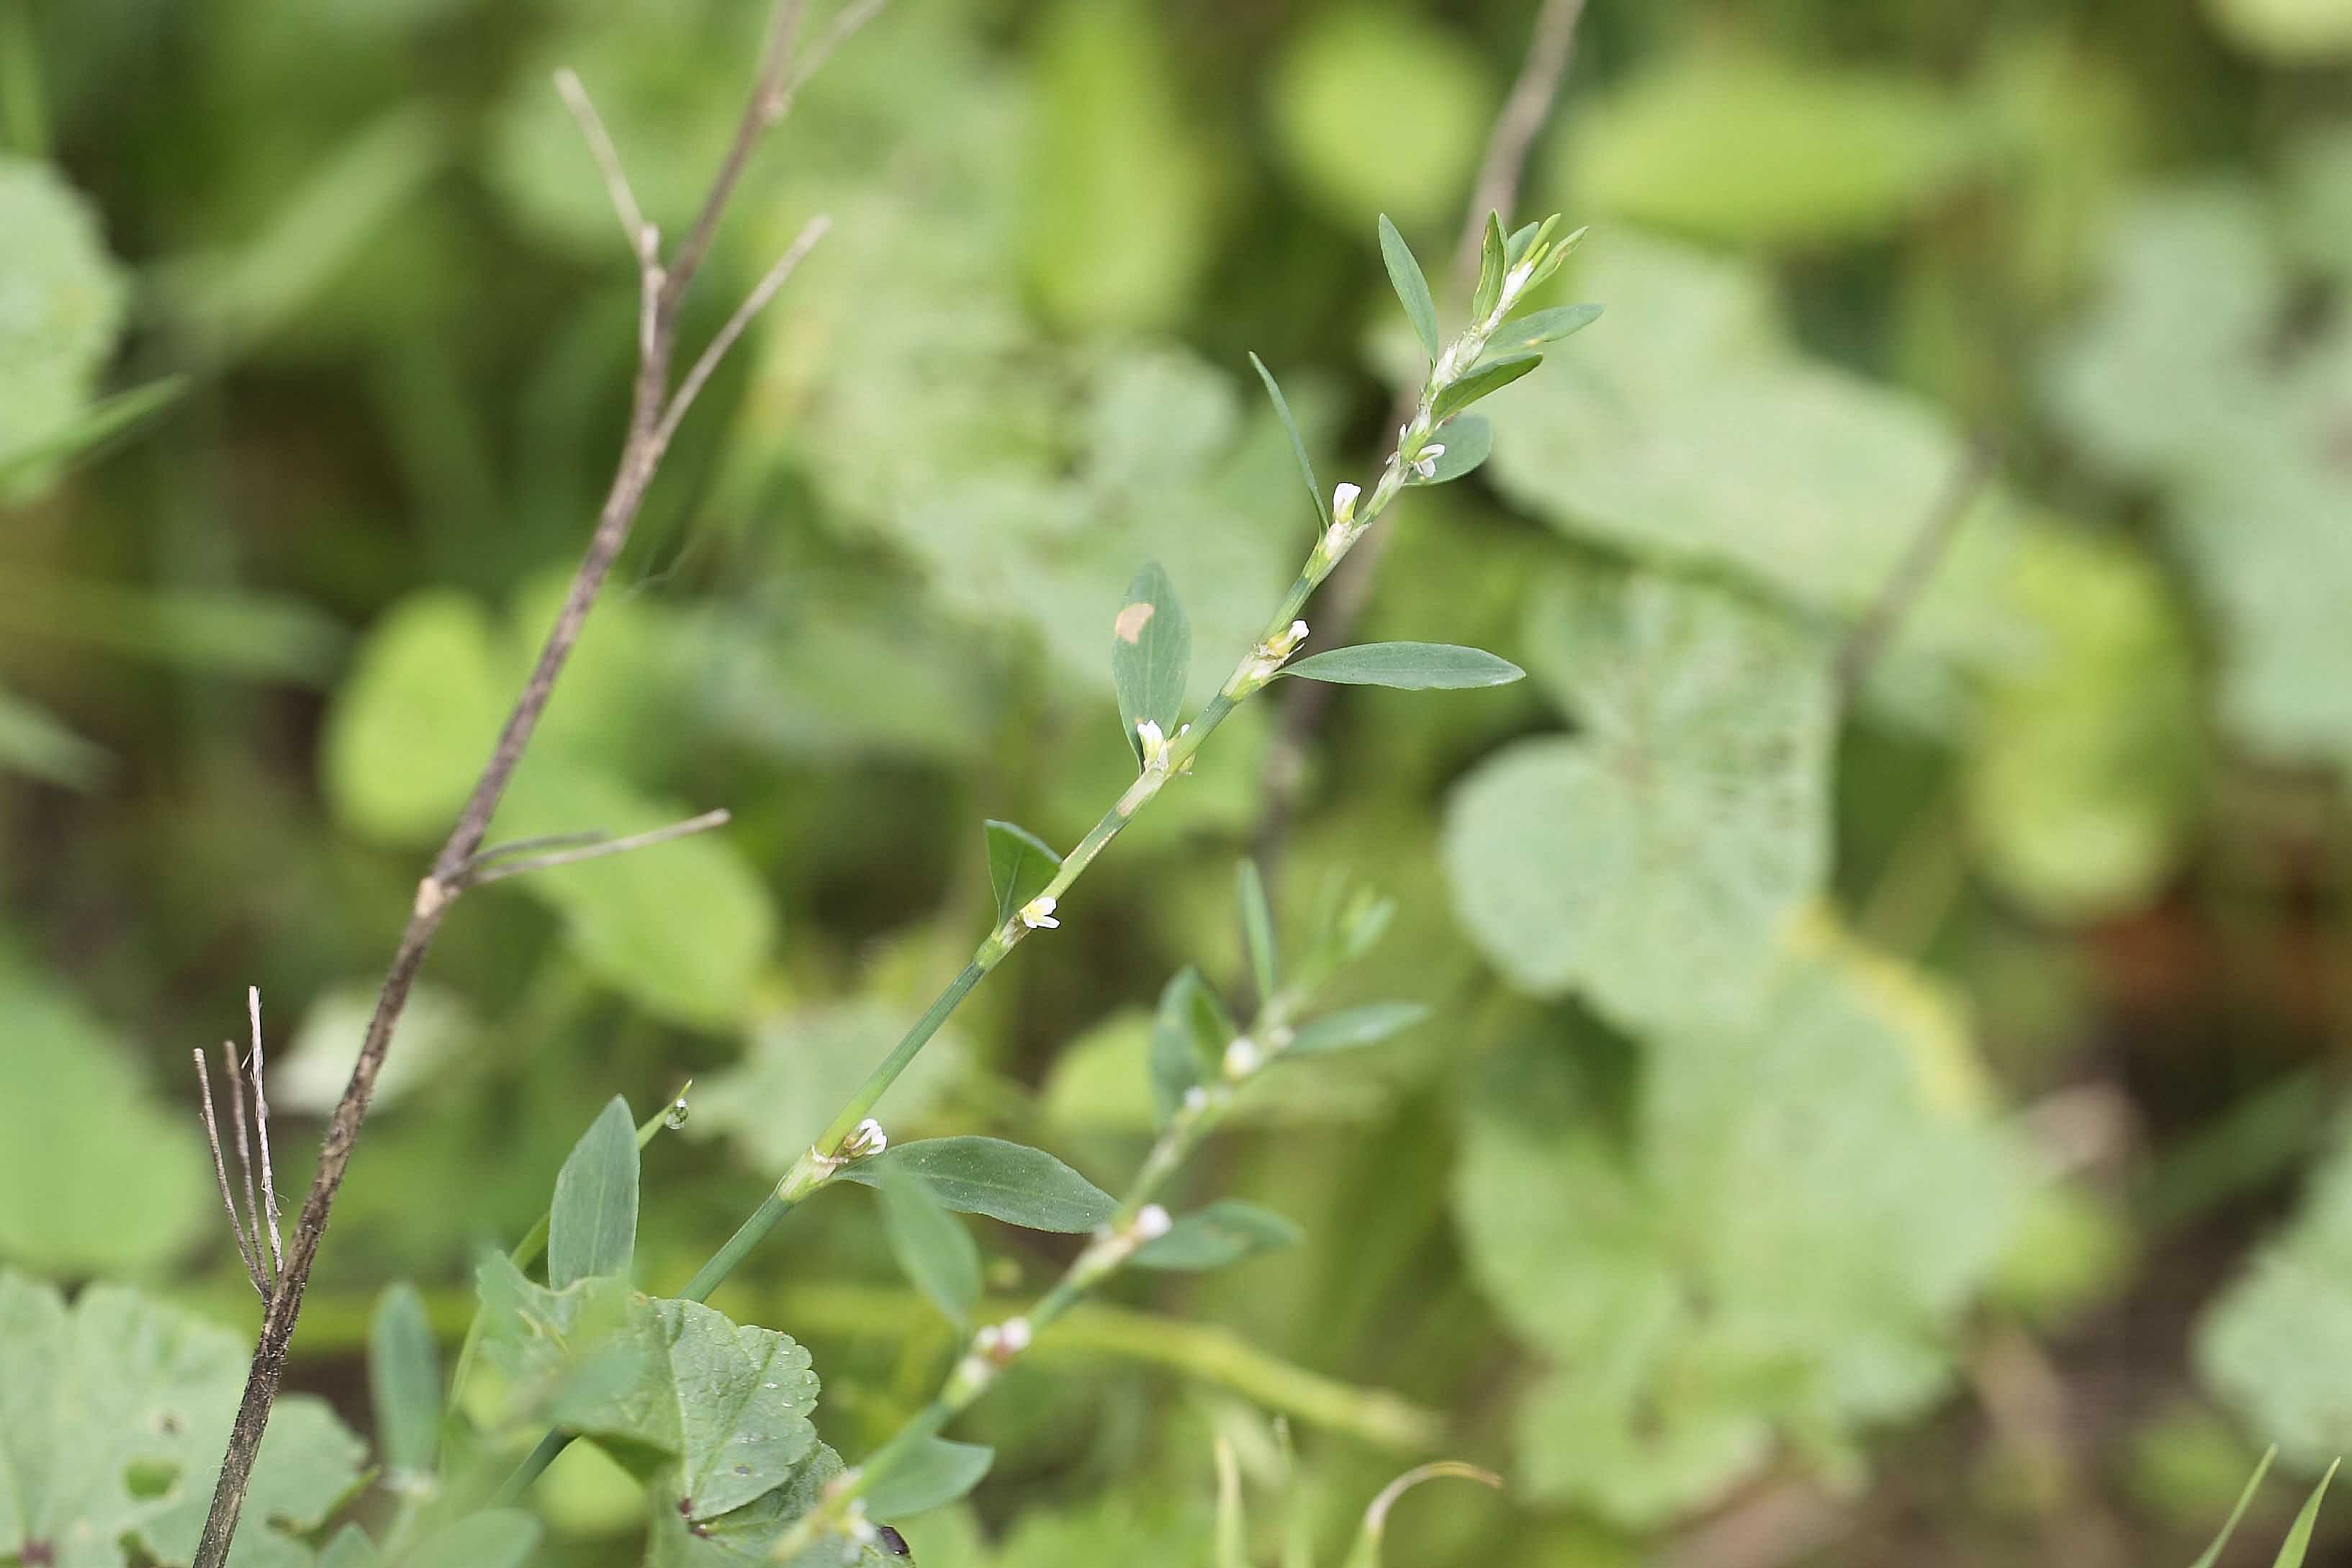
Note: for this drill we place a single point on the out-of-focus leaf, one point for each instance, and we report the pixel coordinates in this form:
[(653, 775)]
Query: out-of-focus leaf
[(1375, 111), (1121, 196), (35, 743), (414, 720), (1468, 441), (1020, 864), (117, 1394), (103, 420), (436, 1028), (1676, 833), (927, 1474), (592, 1225), (1009, 1182), (933, 1248), (64, 305), (1408, 666), (1150, 657), (404, 1381), (254, 636), (1412, 285), (95, 1177), (2290, 32), (1257, 929), (1189, 1036), (1712, 1279), (1297, 442), (798, 1068), (1352, 1026), (2082, 775), (1366, 1552), (1225, 1232), (1736, 146), (495, 1538)]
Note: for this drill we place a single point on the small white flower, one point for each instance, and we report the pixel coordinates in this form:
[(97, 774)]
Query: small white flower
[(1154, 742), (1195, 1097), (1014, 1336), (1037, 914), (1243, 1057), (867, 1141), (1343, 502), (1151, 1222), (1335, 539), (1287, 643), (1425, 465)]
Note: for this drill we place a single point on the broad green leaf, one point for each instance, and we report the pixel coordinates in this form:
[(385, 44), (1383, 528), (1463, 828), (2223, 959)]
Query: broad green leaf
[(495, 1538), (1694, 1251), (1736, 146), (747, 1535), (1118, 218), (1257, 929), (1010, 1181), (1150, 655), (35, 743), (1020, 864), (412, 722), (1468, 441), (64, 307), (1408, 666), (1225, 1232), (933, 1248), (95, 1176), (404, 1381), (2298, 1536), (1488, 377), (1351, 1027), (113, 1413), (1541, 327), (1412, 285), (1492, 265), (1184, 1054), (1676, 832), (727, 1406), (928, 1473), (2268, 1344), (798, 1068), (592, 1225), (2229, 1526), (1297, 442), (1354, 147)]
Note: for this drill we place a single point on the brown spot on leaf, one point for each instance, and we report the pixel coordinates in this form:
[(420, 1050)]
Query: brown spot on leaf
[(1132, 620)]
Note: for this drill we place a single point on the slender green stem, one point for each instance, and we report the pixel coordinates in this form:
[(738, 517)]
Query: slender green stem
[(878, 1082)]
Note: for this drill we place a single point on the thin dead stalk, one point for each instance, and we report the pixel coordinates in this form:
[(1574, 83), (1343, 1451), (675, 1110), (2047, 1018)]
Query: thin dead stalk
[(653, 415)]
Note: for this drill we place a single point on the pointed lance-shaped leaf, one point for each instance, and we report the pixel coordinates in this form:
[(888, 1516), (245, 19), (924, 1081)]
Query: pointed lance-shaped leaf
[(2298, 1535), (1514, 248), (1410, 284), (2245, 1499), (1366, 1552), (405, 1380), (1485, 379), (1257, 929), (1408, 666), (592, 1225), (1493, 262), (933, 1248), (1468, 440), (922, 1475), (1009, 1182), (1297, 442), (1532, 331), (1020, 864), (1351, 1027), (1150, 655), (1225, 1232), (1180, 1060)]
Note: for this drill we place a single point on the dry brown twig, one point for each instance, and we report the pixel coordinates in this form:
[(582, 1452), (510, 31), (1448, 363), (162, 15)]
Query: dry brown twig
[(655, 410), (1305, 705)]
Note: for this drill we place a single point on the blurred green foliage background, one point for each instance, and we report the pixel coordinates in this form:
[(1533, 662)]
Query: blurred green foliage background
[(1901, 1129)]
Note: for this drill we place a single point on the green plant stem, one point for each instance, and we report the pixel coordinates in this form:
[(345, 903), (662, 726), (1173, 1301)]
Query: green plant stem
[(1256, 669)]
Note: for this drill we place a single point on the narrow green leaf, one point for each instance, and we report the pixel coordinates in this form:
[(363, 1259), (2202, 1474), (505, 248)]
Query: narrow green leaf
[(1297, 442), (495, 1538), (1020, 864), (2298, 1538), (1150, 655), (1492, 264), (932, 1244), (1483, 381), (1366, 1552), (1010, 1181), (2245, 1499), (92, 427), (1412, 285), (405, 1380), (1257, 929), (1516, 246), (1468, 441), (1225, 1232), (1232, 1524), (1355, 1027), (1408, 666), (35, 743), (1543, 327), (927, 1474), (1178, 1062), (591, 1226)]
